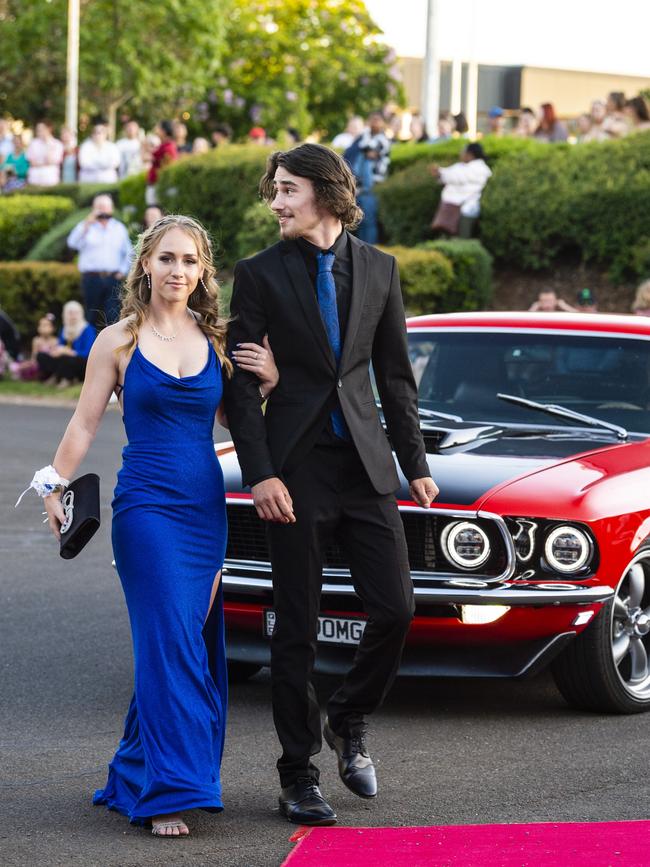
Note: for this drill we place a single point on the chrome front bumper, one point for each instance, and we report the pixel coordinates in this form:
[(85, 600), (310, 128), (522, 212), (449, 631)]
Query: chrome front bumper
[(254, 578)]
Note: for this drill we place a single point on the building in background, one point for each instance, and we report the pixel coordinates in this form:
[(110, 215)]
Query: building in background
[(512, 87)]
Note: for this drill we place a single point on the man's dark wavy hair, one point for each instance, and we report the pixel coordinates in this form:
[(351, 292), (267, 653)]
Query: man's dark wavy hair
[(334, 184)]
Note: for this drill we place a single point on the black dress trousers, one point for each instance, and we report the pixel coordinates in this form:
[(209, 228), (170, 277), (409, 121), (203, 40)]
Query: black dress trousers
[(332, 495)]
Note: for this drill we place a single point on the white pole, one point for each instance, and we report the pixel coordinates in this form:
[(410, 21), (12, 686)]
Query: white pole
[(471, 109), (72, 88), (431, 83), (456, 85)]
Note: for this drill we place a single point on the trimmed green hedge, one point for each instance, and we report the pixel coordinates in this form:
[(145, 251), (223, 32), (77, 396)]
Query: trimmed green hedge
[(593, 200), (472, 272), (409, 197), (258, 230), (446, 152), (132, 197), (23, 219), (81, 194), (28, 290), (217, 188), (52, 246), (426, 277), (407, 203), (444, 276), (640, 258)]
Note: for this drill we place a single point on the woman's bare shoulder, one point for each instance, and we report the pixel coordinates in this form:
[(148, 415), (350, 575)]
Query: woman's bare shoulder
[(112, 337)]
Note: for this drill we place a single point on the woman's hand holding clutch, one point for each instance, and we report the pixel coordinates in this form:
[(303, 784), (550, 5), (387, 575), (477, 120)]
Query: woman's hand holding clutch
[(55, 513)]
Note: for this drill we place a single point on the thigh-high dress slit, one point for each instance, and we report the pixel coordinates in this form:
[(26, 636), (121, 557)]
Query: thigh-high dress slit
[(169, 539)]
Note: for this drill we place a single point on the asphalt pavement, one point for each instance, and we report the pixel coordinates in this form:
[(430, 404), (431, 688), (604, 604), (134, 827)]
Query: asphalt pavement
[(447, 751)]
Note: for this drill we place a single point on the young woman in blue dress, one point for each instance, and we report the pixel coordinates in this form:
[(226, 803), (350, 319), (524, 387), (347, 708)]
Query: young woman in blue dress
[(165, 359)]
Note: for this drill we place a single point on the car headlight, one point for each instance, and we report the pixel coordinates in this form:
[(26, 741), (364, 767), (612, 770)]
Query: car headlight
[(465, 544), (567, 549)]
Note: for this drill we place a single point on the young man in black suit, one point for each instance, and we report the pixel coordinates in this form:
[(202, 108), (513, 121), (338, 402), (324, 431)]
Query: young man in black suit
[(318, 460)]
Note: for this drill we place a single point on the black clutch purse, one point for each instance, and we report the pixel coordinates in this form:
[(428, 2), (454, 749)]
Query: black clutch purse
[(81, 506)]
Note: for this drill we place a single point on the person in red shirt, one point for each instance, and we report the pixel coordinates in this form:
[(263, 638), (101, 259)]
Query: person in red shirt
[(165, 153)]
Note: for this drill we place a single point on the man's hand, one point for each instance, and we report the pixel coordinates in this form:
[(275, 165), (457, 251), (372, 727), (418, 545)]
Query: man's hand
[(424, 491), (272, 501)]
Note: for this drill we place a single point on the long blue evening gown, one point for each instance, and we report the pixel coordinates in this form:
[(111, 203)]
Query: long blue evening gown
[(169, 540)]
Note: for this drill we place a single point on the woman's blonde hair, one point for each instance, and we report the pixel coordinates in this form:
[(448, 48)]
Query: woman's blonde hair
[(204, 300), (642, 297), (71, 332)]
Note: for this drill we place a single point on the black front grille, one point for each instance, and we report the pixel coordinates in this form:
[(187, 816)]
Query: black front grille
[(247, 540)]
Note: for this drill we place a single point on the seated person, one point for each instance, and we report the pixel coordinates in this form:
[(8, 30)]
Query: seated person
[(67, 362), (45, 341)]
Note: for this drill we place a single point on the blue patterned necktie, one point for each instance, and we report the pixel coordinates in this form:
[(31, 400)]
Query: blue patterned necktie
[(326, 291)]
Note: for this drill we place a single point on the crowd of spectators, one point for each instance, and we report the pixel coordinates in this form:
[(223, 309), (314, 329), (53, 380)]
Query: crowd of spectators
[(610, 118), (38, 157), (41, 156)]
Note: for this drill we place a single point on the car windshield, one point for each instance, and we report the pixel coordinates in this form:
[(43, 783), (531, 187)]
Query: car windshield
[(461, 372)]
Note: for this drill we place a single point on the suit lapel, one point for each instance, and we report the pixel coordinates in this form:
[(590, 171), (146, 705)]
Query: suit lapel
[(359, 285), (304, 290)]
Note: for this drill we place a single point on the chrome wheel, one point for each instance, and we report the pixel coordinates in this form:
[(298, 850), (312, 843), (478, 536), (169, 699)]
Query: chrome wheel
[(606, 668), (630, 628)]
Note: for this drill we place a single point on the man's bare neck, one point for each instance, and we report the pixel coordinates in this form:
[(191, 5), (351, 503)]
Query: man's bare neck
[(325, 234)]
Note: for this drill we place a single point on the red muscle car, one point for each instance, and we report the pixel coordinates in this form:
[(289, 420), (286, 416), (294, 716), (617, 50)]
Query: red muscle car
[(537, 549)]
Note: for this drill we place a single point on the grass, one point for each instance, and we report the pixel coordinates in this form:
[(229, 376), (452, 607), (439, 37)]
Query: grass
[(9, 387)]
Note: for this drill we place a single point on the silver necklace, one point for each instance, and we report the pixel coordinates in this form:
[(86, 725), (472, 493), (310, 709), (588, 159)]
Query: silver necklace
[(164, 337)]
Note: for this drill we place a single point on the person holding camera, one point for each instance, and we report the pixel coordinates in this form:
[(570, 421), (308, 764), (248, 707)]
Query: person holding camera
[(105, 253)]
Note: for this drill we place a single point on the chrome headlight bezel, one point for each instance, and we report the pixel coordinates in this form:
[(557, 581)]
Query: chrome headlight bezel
[(449, 535), (586, 545)]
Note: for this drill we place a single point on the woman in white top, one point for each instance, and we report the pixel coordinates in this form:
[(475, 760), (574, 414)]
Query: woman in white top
[(463, 184), (45, 155)]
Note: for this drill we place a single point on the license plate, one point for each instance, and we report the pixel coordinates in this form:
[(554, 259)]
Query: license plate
[(331, 630)]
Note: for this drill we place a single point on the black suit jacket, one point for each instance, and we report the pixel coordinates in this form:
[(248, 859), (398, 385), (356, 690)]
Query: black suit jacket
[(273, 295)]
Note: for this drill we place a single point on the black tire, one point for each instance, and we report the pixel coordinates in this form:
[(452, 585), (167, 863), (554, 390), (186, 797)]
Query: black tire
[(240, 671), (586, 672)]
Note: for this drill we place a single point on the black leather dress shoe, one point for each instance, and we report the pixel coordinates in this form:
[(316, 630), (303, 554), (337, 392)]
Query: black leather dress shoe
[(303, 804), (355, 765)]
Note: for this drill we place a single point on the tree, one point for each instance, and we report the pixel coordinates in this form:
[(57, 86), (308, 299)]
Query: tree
[(307, 64), (154, 58)]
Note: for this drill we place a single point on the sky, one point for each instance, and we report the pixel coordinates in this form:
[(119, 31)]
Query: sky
[(590, 35)]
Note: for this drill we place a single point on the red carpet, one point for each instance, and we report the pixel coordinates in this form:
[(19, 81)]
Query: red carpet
[(585, 844)]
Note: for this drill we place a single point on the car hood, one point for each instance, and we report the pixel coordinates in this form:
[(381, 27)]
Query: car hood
[(467, 474)]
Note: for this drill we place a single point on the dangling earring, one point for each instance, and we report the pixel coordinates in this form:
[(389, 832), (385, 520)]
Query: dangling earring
[(148, 280), (205, 288)]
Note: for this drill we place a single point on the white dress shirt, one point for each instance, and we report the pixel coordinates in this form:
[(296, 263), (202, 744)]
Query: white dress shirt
[(98, 163), (102, 247)]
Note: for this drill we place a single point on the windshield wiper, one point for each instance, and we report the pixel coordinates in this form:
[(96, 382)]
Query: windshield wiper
[(432, 413), (563, 412)]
